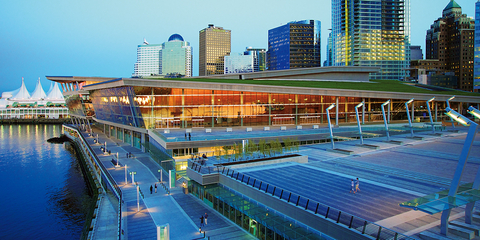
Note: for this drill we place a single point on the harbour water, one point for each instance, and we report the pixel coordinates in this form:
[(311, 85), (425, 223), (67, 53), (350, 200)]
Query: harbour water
[(43, 193)]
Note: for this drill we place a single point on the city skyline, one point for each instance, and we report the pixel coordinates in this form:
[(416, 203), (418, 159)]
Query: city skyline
[(101, 41)]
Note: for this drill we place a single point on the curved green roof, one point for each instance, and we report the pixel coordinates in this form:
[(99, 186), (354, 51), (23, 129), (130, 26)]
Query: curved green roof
[(452, 4)]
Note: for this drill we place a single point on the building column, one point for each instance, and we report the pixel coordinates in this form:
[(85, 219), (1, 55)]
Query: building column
[(131, 138), (213, 112), (369, 110), (269, 109), (389, 109), (336, 111), (242, 112), (296, 109), (436, 112), (184, 124)]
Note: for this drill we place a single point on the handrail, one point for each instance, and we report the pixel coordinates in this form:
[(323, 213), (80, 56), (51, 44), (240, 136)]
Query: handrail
[(346, 219), (113, 184)]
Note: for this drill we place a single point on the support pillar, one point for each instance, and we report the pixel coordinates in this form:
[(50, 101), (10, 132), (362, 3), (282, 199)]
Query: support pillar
[(336, 111)]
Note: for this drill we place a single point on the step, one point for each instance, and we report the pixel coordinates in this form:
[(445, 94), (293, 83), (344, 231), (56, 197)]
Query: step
[(461, 232), (474, 228), (432, 236)]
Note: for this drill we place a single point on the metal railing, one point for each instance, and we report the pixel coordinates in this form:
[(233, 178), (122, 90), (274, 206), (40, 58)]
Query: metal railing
[(353, 222), (110, 180)]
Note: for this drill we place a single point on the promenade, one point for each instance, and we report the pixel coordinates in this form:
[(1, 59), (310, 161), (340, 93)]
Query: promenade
[(182, 212), (389, 175)]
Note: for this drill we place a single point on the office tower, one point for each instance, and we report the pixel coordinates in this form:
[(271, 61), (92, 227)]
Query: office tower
[(214, 46), (238, 63), (450, 39), (328, 61), (294, 45), (372, 33), (259, 58), (476, 70), (176, 57), (416, 53), (148, 61)]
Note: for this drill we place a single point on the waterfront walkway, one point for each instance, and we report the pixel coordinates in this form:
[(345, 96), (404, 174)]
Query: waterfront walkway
[(181, 211)]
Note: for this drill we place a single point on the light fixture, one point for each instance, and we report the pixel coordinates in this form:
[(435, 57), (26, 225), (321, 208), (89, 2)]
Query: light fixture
[(457, 117), (408, 115), (475, 112)]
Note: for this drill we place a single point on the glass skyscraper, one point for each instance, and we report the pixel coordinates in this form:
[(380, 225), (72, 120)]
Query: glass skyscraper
[(215, 44), (372, 33), (176, 57), (148, 60), (476, 79), (294, 45), (259, 58)]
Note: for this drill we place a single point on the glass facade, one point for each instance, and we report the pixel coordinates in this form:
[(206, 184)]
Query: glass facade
[(294, 45), (214, 46), (118, 105), (476, 79), (259, 58), (154, 107), (257, 219), (238, 63), (176, 57), (372, 33)]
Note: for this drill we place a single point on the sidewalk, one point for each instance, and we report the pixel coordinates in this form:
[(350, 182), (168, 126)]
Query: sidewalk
[(182, 212)]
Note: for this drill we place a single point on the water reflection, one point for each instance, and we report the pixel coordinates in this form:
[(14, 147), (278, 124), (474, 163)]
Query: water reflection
[(43, 190)]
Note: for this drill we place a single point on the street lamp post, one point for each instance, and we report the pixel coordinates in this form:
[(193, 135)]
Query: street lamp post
[(138, 198), (408, 115), (472, 131), (385, 119), (117, 159), (358, 120), (133, 176), (161, 175), (448, 105), (430, 114), (330, 124), (126, 174)]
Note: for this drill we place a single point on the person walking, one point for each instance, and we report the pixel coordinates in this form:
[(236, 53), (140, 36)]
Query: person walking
[(205, 217), (357, 185), (185, 136), (201, 224), (155, 188), (352, 186), (151, 189), (189, 137)]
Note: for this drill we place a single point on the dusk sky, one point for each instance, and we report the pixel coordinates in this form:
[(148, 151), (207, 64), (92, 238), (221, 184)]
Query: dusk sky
[(100, 38)]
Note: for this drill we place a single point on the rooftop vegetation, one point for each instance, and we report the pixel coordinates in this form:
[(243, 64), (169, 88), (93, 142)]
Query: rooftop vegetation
[(373, 85)]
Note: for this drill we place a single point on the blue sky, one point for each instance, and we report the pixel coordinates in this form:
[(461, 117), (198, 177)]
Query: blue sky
[(100, 37)]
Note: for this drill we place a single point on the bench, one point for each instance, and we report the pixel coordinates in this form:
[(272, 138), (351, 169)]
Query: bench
[(188, 130), (299, 127), (266, 128), (208, 130), (166, 131), (249, 129), (229, 129), (461, 232), (315, 126), (283, 128)]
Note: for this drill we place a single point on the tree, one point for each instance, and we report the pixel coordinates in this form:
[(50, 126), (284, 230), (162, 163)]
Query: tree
[(288, 144), (262, 147), (225, 150)]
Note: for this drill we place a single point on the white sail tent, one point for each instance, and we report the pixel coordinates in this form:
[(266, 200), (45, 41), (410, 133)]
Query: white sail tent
[(38, 93), (55, 95), (22, 94)]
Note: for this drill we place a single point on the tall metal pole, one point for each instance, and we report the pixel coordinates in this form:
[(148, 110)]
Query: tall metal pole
[(430, 113), (358, 120), (385, 119), (408, 115), (330, 125)]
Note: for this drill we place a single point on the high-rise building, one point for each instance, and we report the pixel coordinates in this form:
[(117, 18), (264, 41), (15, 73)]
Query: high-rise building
[(450, 39), (372, 33), (328, 60), (215, 44), (476, 80), (176, 57), (148, 60), (238, 63), (259, 58), (294, 45)]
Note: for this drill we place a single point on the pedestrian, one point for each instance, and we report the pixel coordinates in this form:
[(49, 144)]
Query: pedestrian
[(151, 189), (352, 187), (126, 154), (205, 217), (201, 224), (155, 188), (185, 136), (357, 185), (189, 137)]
